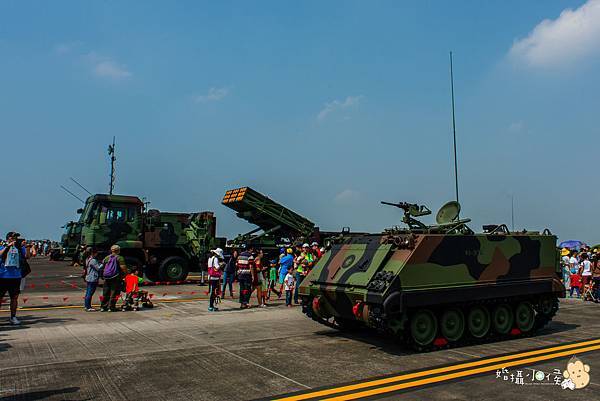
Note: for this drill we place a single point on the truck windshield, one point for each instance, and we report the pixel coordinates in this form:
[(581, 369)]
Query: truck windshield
[(88, 212)]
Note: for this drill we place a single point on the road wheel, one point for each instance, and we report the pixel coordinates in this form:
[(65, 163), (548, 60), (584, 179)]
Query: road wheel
[(479, 321), (173, 268), (524, 316), (546, 306), (502, 319), (452, 324), (423, 327)]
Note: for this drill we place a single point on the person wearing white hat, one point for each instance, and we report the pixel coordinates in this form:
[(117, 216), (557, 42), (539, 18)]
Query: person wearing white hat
[(214, 276)]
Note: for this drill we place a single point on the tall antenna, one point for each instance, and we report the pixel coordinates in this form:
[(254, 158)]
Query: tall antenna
[(512, 211), (113, 159), (80, 186), (454, 129), (72, 194)]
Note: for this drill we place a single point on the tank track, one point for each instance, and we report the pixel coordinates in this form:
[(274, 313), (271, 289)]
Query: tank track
[(541, 319)]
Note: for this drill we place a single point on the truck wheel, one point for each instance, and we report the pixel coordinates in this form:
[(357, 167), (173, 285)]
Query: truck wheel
[(173, 268)]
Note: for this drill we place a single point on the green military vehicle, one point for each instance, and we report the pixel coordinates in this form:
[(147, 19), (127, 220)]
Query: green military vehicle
[(69, 242), (167, 245), (276, 224), (438, 285)]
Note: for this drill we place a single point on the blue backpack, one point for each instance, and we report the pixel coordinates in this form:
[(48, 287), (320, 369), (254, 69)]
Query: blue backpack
[(111, 268)]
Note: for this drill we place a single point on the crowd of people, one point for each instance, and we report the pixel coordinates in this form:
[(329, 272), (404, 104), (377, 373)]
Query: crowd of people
[(581, 273), (267, 278), (250, 268)]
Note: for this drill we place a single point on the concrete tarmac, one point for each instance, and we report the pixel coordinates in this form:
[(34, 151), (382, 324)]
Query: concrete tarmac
[(180, 351)]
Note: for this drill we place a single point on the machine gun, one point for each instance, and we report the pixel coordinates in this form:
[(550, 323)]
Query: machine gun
[(411, 210), (447, 218)]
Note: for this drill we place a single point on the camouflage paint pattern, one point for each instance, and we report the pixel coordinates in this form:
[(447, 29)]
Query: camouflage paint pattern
[(148, 236), (369, 269)]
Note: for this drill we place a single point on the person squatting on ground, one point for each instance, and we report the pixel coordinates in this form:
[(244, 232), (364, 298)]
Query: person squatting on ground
[(113, 272), (13, 256), (244, 274), (229, 273), (91, 277), (214, 276), (133, 294)]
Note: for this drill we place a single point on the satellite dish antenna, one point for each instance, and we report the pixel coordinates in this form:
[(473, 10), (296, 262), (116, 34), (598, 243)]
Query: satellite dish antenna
[(448, 213)]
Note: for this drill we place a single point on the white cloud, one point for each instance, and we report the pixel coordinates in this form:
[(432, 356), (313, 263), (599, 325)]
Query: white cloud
[(346, 196), (336, 105), (213, 95), (110, 69), (574, 35), (105, 67)]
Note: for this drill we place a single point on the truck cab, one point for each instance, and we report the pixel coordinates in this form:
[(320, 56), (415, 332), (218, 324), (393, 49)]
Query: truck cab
[(114, 219)]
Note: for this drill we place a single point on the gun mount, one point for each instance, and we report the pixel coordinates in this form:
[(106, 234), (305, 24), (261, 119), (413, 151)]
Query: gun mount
[(447, 218)]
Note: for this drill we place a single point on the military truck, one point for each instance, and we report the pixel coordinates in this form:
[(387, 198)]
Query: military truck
[(69, 242), (167, 245), (438, 285), (276, 224)]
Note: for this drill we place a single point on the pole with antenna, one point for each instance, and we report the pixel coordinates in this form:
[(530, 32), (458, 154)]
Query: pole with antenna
[(80, 186), (72, 194), (113, 159), (512, 212), (454, 130)]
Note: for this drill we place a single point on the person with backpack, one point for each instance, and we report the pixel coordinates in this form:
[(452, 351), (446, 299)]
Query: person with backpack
[(91, 277), (113, 272), (13, 257), (214, 276)]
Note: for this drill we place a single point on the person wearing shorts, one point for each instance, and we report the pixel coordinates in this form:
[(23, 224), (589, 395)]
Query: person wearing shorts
[(10, 272)]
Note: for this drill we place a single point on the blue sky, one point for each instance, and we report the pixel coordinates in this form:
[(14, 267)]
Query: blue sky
[(328, 107)]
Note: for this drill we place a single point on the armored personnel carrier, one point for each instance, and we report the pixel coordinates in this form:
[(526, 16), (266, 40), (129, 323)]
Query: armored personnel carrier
[(436, 286)]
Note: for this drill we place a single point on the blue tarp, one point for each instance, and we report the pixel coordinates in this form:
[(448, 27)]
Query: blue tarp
[(572, 244)]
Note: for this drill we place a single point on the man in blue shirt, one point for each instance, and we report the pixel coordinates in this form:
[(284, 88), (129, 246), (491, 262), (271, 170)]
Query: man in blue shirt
[(286, 262), (10, 272)]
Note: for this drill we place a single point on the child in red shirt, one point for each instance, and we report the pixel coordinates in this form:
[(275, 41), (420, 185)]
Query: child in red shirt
[(133, 294), (576, 284)]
